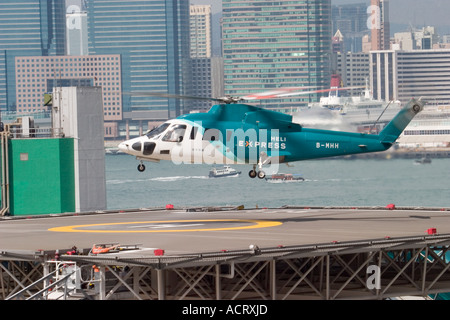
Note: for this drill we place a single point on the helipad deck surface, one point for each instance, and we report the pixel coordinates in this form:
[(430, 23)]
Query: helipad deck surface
[(181, 232)]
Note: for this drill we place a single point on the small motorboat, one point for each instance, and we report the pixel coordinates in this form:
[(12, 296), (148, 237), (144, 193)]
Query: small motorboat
[(423, 160), (285, 177)]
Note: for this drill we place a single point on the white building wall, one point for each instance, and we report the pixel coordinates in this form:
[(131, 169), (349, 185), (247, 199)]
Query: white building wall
[(411, 74)]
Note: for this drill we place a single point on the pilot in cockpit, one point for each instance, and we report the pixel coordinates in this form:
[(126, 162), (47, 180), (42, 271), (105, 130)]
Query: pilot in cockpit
[(175, 133)]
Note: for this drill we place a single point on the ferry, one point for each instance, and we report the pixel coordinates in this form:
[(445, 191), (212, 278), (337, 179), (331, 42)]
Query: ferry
[(431, 129), (225, 171)]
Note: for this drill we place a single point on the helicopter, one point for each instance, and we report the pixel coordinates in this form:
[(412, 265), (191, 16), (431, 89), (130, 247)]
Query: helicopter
[(234, 132)]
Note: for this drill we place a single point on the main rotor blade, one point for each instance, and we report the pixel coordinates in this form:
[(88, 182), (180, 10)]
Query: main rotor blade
[(275, 93), (323, 90), (168, 95), (294, 91), (226, 99)]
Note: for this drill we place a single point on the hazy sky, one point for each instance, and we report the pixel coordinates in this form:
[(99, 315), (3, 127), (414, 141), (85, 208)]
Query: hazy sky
[(418, 12)]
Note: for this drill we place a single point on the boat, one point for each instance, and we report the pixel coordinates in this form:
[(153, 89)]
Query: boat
[(113, 151), (424, 160), (225, 171), (285, 177)]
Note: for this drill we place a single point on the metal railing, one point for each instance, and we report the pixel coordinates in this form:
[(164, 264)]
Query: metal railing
[(20, 133), (10, 116)]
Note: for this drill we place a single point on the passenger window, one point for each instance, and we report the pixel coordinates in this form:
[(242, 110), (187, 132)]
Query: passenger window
[(175, 133), (229, 135), (212, 135), (194, 132)]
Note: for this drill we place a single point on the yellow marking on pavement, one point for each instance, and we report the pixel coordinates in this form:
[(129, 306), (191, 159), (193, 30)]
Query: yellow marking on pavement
[(79, 228)]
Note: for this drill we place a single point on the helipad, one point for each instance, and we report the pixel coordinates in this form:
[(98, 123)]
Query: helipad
[(229, 254), (180, 231)]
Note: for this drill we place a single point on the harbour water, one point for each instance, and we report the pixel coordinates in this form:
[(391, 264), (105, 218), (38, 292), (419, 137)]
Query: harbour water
[(334, 182)]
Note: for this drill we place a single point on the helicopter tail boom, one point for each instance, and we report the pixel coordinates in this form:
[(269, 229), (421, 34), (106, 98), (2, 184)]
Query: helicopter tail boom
[(395, 127)]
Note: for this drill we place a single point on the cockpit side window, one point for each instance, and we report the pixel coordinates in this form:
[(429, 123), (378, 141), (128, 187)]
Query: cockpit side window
[(156, 131), (175, 133)]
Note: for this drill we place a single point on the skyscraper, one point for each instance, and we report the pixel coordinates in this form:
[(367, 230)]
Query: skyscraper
[(380, 28), (93, 70), (351, 21), (77, 35), (152, 37), (27, 28), (268, 45), (206, 71), (200, 28)]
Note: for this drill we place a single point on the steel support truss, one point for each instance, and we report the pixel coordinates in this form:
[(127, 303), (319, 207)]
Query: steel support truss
[(377, 269)]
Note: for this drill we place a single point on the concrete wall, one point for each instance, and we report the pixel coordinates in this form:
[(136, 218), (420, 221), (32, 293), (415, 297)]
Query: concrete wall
[(78, 111)]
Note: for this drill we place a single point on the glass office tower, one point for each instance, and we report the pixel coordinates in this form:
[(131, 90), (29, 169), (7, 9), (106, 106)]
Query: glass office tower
[(351, 21), (27, 28), (152, 37), (276, 44)]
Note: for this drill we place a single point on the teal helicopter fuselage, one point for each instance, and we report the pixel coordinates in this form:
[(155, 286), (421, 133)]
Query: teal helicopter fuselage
[(242, 131), (245, 134)]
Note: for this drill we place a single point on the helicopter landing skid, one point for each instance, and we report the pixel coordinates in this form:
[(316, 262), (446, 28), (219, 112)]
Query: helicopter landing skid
[(260, 173)]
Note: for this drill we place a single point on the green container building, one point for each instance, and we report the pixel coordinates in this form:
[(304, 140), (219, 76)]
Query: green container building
[(41, 176), (60, 170)]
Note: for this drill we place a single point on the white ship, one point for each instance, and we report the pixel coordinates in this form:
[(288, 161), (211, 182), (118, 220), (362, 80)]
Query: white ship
[(430, 129), (356, 113)]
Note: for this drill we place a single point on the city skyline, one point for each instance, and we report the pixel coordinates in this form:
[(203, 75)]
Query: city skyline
[(419, 13), (283, 49), (146, 37)]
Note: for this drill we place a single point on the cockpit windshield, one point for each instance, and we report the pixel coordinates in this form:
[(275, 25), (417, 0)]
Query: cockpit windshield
[(158, 130), (175, 133)]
